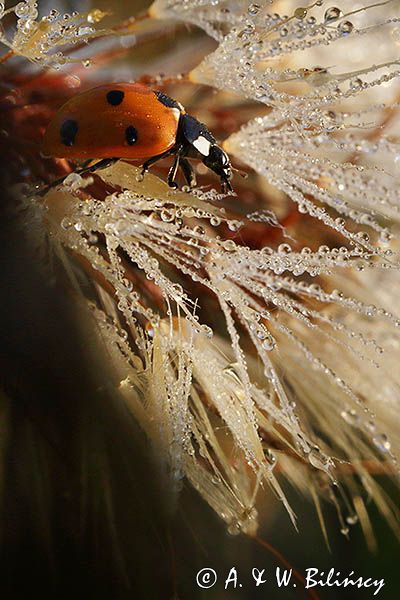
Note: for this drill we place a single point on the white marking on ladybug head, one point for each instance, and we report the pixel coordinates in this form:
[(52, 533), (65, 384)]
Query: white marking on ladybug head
[(202, 145)]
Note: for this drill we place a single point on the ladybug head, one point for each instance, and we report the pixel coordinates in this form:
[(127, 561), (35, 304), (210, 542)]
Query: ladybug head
[(218, 161)]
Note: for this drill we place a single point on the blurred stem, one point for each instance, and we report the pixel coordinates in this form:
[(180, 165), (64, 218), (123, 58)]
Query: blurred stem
[(6, 56), (284, 562), (158, 32), (127, 23)]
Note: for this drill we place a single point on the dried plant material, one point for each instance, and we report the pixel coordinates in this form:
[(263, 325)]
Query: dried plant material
[(43, 40), (184, 366), (248, 360)]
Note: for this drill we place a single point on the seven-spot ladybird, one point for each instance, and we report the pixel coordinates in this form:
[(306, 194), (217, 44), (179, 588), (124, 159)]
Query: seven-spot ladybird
[(130, 120)]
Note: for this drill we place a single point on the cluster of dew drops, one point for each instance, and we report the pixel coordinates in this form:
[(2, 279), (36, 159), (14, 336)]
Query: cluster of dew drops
[(38, 39), (164, 222), (332, 15)]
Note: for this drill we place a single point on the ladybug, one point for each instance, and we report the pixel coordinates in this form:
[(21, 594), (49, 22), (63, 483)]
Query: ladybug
[(132, 121)]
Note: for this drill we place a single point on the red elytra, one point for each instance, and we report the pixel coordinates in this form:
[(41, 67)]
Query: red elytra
[(124, 120)]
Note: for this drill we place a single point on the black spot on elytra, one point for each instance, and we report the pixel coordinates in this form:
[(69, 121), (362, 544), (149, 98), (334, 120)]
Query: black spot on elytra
[(115, 97), (131, 135), (68, 131), (166, 100)]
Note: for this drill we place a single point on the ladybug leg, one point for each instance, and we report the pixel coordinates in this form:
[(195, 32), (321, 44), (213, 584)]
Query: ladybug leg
[(150, 161), (173, 170), (101, 164), (226, 185), (188, 172), (86, 163)]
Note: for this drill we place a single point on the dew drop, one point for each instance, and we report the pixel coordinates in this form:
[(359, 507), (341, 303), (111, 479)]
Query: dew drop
[(93, 238), (363, 236), (234, 225), (350, 416), (381, 442), (253, 9), (332, 14), (84, 31), (261, 334), (346, 27), (284, 248), (167, 216), (22, 9), (270, 457), (74, 181), (229, 245), (234, 528), (356, 84), (269, 344), (66, 223), (385, 236), (352, 519), (318, 460), (207, 331), (300, 13), (215, 221), (370, 425), (95, 15)]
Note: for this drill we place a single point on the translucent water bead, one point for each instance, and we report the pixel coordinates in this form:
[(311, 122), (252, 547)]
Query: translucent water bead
[(345, 28), (253, 9), (26, 9), (381, 442), (332, 14)]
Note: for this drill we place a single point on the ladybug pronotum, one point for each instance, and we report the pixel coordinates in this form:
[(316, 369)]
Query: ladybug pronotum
[(132, 121)]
